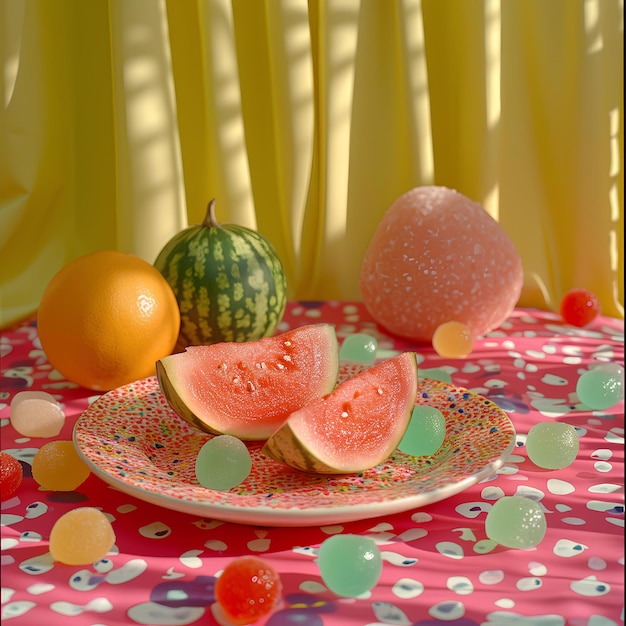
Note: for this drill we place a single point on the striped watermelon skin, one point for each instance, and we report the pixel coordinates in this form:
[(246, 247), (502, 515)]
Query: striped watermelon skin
[(228, 280)]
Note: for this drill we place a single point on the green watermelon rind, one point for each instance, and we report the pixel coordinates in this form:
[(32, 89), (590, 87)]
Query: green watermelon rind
[(292, 445), (207, 397), (229, 283)]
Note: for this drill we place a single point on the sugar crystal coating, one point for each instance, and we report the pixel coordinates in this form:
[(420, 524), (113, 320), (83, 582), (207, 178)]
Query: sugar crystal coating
[(11, 475), (437, 256), (516, 522), (28, 394), (37, 417), (349, 564), (552, 445), (58, 467), (81, 536), (247, 589)]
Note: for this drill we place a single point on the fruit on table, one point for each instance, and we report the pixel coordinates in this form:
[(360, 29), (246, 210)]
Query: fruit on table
[(105, 318), (438, 256), (249, 389), (354, 428), (228, 280)]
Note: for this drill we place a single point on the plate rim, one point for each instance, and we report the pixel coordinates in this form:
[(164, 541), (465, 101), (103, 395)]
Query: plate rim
[(309, 516)]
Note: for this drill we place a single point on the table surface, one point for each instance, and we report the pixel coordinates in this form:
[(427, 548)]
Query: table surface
[(438, 566)]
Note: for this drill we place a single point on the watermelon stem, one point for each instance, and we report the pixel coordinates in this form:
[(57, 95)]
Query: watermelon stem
[(210, 220)]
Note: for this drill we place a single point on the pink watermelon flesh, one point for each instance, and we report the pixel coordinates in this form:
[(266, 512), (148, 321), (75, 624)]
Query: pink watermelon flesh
[(249, 389), (354, 428)]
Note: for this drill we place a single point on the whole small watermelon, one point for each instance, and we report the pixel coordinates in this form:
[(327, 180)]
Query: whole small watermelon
[(228, 280)]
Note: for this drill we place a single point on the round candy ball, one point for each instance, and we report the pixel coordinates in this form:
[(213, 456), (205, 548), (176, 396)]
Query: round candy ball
[(516, 522), (425, 433), (359, 347), (11, 475), (579, 307), (57, 466), (453, 340), (601, 387), (81, 536), (349, 564), (552, 445), (222, 463), (36, 414), (437, 256), (247, 590)]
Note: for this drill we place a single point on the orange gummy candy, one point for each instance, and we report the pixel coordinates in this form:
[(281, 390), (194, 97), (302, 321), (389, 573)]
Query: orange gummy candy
[(57, 466), (81, 536)]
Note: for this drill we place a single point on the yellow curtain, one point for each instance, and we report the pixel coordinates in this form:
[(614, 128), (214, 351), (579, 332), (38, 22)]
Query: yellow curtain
[(121, 119)]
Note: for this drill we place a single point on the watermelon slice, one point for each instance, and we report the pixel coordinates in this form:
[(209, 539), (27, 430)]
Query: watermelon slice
[(355, 427), (249, 389)]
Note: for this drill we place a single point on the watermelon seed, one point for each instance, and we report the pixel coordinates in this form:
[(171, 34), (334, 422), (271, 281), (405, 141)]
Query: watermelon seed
[(250, 385), (287, 358)]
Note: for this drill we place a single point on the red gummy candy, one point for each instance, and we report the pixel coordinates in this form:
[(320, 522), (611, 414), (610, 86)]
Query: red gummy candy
[(579, 307), (248, 589), (10, 475)]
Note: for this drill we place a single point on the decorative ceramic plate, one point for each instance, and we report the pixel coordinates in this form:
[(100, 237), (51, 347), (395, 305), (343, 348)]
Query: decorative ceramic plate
[(133, 440)]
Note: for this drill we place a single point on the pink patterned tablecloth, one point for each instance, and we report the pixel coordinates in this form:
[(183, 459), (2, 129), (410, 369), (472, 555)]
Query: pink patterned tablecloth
[(438, 566)]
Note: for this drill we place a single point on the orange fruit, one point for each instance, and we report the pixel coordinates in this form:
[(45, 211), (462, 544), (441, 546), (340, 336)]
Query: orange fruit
[(106, 318)]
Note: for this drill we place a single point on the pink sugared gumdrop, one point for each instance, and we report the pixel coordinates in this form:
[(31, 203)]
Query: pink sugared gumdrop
[(438, 256)]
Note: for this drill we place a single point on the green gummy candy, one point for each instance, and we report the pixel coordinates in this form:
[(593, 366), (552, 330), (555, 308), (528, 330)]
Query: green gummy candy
[(601, 388), (350, 565), (516, 522), (222, 463), (359, 347), (552, 445), (425, 433)]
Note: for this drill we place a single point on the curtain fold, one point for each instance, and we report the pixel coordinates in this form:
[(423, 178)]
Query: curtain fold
[(121, 119)]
